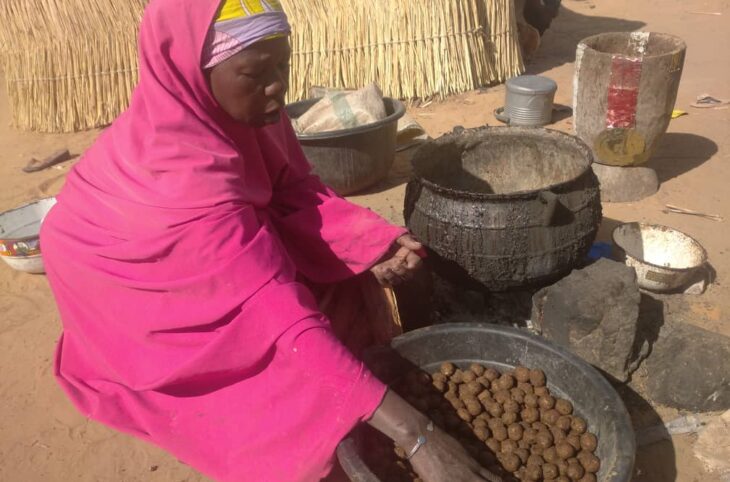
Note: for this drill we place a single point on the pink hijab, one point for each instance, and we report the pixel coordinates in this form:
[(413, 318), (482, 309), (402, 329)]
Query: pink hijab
[(177, 252)]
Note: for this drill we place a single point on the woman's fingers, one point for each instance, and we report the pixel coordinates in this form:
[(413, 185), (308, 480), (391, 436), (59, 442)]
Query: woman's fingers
[(413, 261), (408, 241)]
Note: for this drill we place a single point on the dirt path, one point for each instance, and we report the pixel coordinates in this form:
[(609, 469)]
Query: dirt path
[(42, 438)]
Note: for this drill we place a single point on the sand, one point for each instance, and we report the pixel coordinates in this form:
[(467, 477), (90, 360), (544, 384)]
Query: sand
[(42, 438)]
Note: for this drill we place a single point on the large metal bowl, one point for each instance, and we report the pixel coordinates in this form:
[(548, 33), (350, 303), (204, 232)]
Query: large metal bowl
[(504, 348), (350, 160)]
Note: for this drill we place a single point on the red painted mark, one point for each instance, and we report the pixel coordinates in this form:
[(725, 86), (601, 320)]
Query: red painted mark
[(623, 92)]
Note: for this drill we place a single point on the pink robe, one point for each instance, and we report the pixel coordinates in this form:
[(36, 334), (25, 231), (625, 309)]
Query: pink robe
[(177, 254)]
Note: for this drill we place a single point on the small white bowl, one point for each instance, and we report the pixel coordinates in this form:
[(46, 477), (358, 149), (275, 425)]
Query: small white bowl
[(664, 258), (19, 235)]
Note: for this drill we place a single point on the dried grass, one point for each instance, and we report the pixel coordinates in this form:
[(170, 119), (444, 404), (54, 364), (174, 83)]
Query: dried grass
[(69, 64), (72, 64)]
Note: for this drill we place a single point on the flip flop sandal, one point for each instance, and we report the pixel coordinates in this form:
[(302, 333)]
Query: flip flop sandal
[(706, 101), (35, 165)]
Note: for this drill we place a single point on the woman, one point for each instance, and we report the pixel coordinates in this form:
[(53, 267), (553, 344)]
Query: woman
[(182, 254)]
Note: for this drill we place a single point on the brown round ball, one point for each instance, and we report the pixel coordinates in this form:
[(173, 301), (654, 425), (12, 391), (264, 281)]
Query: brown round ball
[(508, 446), (517, 395), (500, 433), (438, 376), (563, 422), (477, 369), (495, 409), (523, 454), (483, 381), (506, 381), (526, 387), (530, 414), (588, 442), (508, 418), (511, 406), (550, 417), (574, 440), (564, 407), (457, 376), (544, 439), (539, 426), (564, 450), (578, 425), (456, 403), (494, 423), (590, 462), (541, 391), (440, 386), (550, 471), (537, 449), (546, 402), (562, 478), (531, 400), (494, 445), (468, 376), (482, 433), (491, 374), (515, 432), (533, 472), (535, 460), (474, 388), (447, 368), (510, 462), (529, 435), (575, 471), (522, 374), (550, 455), (562, 467), (502, 396), (464, 414), (523, 445), (479, 422), (484, 395), (474, 407), (558, 435), (537, 378), (588, 478)]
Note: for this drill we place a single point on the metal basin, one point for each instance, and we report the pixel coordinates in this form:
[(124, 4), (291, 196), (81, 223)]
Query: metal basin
[(664, 258), (19, 235), (504, 348)]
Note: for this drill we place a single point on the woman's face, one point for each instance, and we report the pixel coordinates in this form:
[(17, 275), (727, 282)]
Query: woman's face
[(251, 85)]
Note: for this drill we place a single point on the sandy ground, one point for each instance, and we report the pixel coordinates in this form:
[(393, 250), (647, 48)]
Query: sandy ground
[(42, 438)]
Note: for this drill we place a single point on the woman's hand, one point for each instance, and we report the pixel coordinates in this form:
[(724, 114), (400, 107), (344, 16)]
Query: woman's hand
[(400, 263), (441, 458)]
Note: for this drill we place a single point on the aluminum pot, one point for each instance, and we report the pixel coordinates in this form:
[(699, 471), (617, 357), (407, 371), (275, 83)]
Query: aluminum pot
[(528, 102)]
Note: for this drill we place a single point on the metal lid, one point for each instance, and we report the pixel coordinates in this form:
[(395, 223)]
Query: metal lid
[(531, 84)]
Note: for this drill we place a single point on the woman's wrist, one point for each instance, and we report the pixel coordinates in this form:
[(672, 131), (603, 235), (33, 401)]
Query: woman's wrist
[(399, 421)]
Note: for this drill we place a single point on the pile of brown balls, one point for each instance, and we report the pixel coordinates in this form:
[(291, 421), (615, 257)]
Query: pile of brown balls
[(509, 422)]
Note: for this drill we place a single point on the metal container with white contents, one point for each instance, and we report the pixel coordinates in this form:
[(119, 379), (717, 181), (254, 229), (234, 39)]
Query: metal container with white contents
[(528, 102)]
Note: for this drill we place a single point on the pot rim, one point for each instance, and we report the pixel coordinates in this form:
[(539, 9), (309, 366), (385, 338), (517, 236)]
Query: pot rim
[(518, 131), (399, 111), (641, 225), (682, 45)]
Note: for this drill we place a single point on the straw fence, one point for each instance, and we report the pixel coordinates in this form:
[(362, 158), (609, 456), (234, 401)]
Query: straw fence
[(72, 64)]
